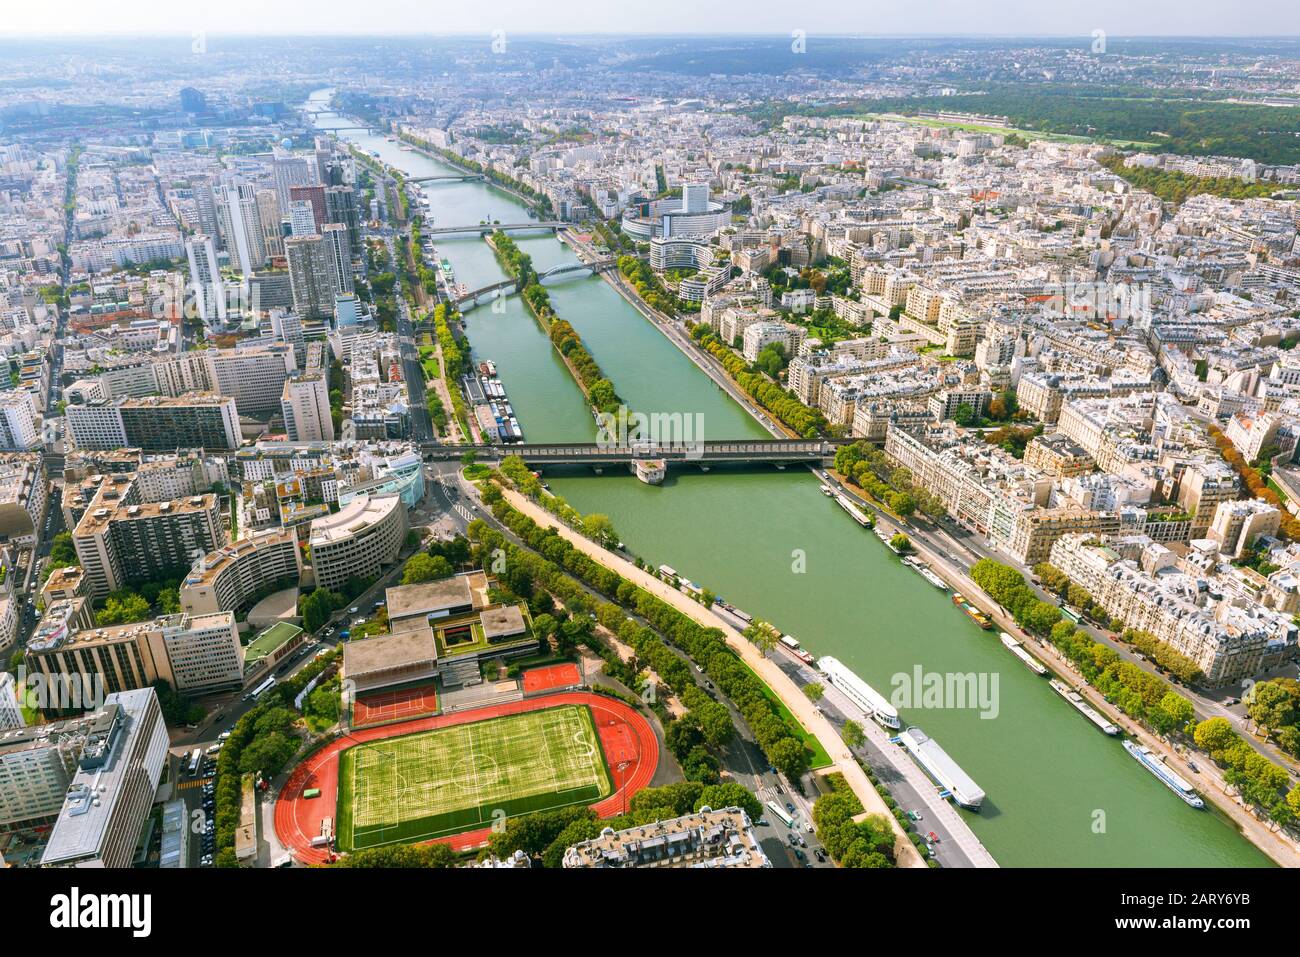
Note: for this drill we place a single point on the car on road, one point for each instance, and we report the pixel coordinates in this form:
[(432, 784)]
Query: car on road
[(789, 807), (932, 837)]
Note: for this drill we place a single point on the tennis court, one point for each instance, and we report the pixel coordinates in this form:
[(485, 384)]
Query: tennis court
[(441, 782), (394, 705)]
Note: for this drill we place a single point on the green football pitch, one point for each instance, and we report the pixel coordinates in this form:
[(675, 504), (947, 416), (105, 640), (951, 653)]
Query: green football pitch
[(441, 782)]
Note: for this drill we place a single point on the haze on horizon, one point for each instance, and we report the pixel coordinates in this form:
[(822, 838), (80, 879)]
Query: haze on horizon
[(1021, 18)]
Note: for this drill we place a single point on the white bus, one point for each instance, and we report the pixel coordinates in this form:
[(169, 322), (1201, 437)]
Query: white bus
[(261, 689), (781, 814), (195, 757)]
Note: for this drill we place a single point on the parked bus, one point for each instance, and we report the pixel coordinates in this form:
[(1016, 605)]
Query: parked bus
[(261, 689), (311, 793), (195, 757), (781, 814)]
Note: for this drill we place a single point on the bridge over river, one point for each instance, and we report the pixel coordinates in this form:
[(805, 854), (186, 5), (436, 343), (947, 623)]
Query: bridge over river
[(772, 451)]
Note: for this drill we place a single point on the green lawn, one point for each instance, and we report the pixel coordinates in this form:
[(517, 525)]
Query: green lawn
[(1006, 131), (820, 759), (442, 782)]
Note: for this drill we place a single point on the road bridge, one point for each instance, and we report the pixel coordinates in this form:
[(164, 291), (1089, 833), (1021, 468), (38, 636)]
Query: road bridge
[(478, 297), (447, 178), (567, 270), (487, 228), (773, 451)]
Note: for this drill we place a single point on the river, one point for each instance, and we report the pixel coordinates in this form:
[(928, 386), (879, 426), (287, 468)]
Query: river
[(1059, 792)]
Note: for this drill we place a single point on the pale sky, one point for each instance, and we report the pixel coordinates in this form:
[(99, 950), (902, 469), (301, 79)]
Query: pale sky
[(864, 17)]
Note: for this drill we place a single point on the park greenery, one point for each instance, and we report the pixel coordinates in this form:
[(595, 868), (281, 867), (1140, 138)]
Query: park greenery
[(1175, 187), (62, 555), (867, 842), (540, 200), (1145, 697), (594, 383), (1256, 483), (648, 286), (263, 741)]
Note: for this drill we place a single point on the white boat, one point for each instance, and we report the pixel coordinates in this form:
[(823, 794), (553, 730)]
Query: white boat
[(859, 692), (855, 512), (1032, 663), (942, 768), (1155, 763), (1076, 701), (924, 570), (826, 490)]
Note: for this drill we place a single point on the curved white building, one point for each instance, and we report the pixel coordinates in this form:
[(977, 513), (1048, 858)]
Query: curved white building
[(712, 274), (691, 214), (359, 539), (230, 577)]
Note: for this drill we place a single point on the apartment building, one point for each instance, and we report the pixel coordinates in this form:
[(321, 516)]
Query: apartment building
[(759, 335), (807, 373), (112, 793), (157, 423), (305, 405), (11, 714), (36, 767), (1055, 454), (122, 539), (195, 654), (1237, 523), (228, 578), (1229, 640), (360, 539), (312, 275), (19, 415), (706, 839), (23, 497)]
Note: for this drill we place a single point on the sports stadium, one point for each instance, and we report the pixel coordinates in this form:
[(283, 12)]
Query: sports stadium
[(452, 777)]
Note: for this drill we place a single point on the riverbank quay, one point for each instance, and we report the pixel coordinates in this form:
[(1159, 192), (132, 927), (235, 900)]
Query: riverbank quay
[(781, 684)]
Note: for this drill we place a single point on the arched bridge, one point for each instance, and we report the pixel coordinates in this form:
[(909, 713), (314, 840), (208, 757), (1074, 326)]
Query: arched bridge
[(477, 297), (774, 451), (447, 178), (485, 228), (565, 270)]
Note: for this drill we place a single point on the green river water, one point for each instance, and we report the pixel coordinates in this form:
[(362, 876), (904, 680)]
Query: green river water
[(1059, 792)]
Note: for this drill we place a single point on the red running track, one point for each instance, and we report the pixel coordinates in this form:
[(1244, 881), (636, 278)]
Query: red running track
[(551, 676), (631, 752)]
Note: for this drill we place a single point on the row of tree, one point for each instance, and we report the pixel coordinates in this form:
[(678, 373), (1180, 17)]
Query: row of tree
[(869, 469), (798, 417), (707, 647), (263, 740), (1164, 655), (1256, 482), (648, 286)]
